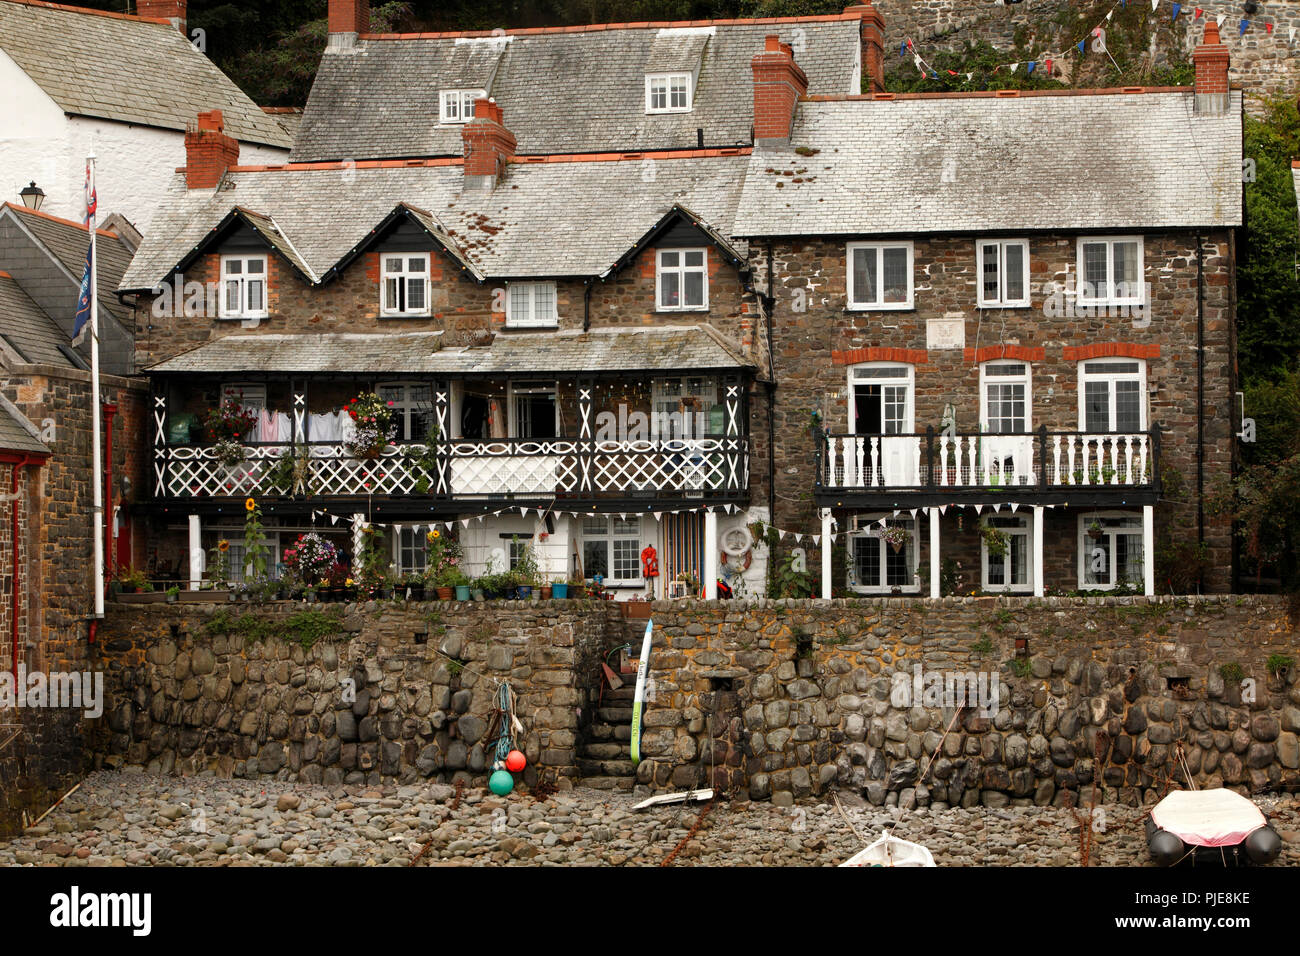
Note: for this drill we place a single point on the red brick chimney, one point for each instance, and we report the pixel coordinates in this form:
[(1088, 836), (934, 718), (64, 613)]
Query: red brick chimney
[(209, 152), (173, 10), (873, 46), (347, 18), (488, 145), (778, 84), (1211, 59)]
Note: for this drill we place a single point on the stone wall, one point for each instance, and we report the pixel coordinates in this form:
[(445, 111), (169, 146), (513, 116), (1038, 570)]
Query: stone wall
[(189, 691), (790, 699)]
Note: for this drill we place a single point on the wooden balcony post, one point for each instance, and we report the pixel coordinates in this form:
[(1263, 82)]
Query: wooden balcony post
[(931, 462), (1149, 549), (1042, 457), (162, 464), (442, 417), (586, 438), (827, 525), (710, 570), (934, 551), (1039, 583), (196, 553)]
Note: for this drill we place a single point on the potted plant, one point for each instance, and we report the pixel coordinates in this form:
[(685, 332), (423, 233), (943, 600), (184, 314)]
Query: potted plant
[(546, 591), (525, 572), (560, 589), (460, 582), (476, 591), (995, 540), (309, 594), (1094, 530), (415, 587), (230, 421), (173, 594), (310, 559), (374, 428)]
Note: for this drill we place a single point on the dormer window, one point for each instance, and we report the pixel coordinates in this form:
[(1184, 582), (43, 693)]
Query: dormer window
[(243, 287), (458, 105), (668, 93), (404, 289)]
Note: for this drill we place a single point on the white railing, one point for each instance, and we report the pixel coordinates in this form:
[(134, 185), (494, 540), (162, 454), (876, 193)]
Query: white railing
[(988, 461), (489, 468)]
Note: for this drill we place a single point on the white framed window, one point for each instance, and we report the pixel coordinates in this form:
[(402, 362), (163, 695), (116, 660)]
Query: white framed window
[(531, 305), (243, 287), (1013, 570), (409, 551), (1005, 397), (404, 283), (457, 106), (1111, 271), (533, 410), (1110, 550), (880, 275), (683, 407), (668, 92), (682, 279), (1113, 395), (412, 404), (1003, 273), (611, 547), (883, 398), (878, 565)]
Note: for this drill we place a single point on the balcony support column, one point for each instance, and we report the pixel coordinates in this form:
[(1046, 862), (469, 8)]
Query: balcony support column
[(826, 553), (358, 523), (1149, 549), (1039, 583), (934, 551), (196, 553), (710, 569)]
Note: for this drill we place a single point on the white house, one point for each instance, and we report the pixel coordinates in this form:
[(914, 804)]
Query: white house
[(73, 80)]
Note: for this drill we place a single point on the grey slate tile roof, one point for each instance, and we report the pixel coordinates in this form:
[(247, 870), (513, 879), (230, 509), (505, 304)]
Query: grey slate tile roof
[(665, 349), (68, 243), (26, 329), (127, 69), (543, 219), (16, 432), (561, 92), (1064, 162)]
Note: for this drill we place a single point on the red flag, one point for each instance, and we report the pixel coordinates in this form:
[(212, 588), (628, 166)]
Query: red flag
[(1268, 27), (952, 72), (1049, 66), (1199, 11)]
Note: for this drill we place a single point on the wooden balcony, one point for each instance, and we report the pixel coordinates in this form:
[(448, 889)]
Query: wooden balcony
[(1090, 468), (462, 470)]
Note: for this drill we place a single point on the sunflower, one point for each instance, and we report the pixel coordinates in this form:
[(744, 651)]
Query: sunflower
[(434, 535), (250, 504), (223, 545)]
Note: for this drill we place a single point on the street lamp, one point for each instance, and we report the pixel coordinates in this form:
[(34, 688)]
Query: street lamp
[(32, 197)]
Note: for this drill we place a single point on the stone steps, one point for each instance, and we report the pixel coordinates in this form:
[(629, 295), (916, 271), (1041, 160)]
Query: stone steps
[(606, 768), (609, 783), (615, 715), (608, 751)]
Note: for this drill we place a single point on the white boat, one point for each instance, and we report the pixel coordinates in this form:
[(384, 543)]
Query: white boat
[(889, 850)]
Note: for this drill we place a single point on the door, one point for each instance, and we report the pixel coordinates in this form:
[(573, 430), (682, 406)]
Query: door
[(1008, 454), (882, 406)]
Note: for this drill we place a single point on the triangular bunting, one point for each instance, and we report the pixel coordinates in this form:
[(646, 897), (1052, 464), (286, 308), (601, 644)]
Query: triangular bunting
[(1177, 7), (997, 508), (1082, 44), (817, 540), (1245, 25), (978, 508), (1014, 66), (464, 522), (1013, 506)]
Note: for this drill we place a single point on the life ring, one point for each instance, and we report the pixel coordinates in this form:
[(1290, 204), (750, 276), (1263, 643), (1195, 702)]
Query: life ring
[(737, 543), (649, 562)]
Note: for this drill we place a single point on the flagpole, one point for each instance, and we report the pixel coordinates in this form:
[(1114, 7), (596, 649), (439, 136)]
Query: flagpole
[(97, 532)]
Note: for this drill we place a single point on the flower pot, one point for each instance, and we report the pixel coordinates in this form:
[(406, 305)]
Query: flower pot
[(1094, 533), (173, 598), (415, 592), (546, 592), (525, 591), (446, 594), (312, 597), (560, 591), (896, 545), (477, 594), (462, 592)]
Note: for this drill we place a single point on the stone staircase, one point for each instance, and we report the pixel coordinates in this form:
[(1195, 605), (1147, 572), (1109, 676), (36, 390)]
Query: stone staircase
[(605, 759)]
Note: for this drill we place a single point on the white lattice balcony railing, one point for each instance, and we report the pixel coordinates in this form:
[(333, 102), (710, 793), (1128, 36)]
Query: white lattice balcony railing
[(1028, 460), (502, 468)]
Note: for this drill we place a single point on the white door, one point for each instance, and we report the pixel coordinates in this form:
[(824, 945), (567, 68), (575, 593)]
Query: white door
[(1007, 459)]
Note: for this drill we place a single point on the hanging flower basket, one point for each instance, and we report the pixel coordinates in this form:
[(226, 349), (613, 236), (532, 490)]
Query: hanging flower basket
[(897, 537), (1094, 531), (374, 427), (228, 451)]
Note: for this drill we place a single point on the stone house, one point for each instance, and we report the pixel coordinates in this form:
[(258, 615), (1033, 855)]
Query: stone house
[(669, 280), (126, 87)]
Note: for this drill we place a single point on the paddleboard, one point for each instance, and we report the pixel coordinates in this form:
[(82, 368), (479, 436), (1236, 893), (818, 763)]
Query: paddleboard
[(638, 701)]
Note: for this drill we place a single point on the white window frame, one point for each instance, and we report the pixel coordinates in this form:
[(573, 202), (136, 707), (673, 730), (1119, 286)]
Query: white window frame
[(243, 311), (609, 537), (681, 269), (666, 398), (667, 79), (514, 320), (405, 408), (1021, 526), (531, 387), (1110, 298), (1134, 528), (400, 309), (907, 376), (870, 529), (1111, 378), (854, 305), (416, 544), (1001, 301), (457, 106), (1024, 378)]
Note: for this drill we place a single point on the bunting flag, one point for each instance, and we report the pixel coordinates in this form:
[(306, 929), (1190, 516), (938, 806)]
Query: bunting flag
[(1177, 9)]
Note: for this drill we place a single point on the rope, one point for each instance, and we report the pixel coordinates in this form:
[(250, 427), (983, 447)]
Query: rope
[(504, 725)]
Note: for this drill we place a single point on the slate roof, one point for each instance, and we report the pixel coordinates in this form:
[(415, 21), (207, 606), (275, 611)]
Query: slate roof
[(26, 329), (127, 69), (16, 432), (543, 219), (1062, 162), (68, 242), (562, 91), (664, 349)]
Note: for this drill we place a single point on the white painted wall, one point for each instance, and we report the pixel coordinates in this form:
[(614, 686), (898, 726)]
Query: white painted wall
[(482, 538), (135, 163)]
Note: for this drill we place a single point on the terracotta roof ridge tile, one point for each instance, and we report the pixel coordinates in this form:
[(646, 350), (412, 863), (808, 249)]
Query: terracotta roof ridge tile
[(68, 8), (599, 27), (49, 217)]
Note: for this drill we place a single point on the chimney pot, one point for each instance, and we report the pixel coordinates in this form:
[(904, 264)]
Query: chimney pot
[(209, 152), (488, 145), (1211, 59)]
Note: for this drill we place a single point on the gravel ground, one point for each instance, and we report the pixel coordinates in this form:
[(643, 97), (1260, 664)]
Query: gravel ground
[(138, 819)]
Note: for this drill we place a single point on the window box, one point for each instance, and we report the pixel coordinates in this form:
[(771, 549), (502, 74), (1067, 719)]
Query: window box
[(880, 275)]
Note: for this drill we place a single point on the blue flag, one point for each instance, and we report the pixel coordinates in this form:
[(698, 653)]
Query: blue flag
[(1244, 24), (83, 304), (1081, 45)]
